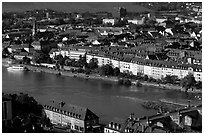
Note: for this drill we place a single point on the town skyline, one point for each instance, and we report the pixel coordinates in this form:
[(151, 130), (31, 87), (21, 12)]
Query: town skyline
[(97, 71), (112, 7)]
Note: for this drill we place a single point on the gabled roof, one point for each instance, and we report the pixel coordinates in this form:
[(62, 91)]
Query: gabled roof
[(74, 111), (152, 57), (121, 123)]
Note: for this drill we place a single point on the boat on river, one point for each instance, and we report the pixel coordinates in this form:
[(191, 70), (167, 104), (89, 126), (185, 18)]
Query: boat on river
[(17, 68)]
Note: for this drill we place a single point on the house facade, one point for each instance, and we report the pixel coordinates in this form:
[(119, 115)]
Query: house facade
[(157, 69), (73, 117)]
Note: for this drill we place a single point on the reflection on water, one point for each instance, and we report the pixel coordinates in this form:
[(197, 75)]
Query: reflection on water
[(104, 98)]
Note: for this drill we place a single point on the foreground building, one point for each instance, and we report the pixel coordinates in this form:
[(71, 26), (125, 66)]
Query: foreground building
[(72, 117), (189, 119), (6, 110)]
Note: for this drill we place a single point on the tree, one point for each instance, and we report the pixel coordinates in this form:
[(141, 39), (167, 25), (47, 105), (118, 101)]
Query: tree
[(145, 78), (188, 81), (67, 62), (116, 71), (87, 71), (59, 58), (120, 81), (39, 57), (49, 60), (93, 63), (168, 79), (26, 60), (106, 70), (127, 82), (5, 52), (82, 61), (27, 112), (171, 79), (80, 70), (198, 85)]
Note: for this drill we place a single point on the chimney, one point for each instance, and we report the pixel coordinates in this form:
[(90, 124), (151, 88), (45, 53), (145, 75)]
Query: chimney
[(116, 126), (119, 126), (113, 126)]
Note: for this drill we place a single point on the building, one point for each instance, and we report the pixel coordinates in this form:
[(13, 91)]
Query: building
[(137, 20), (115, 126), (75, 52), (6, 110), (167, 122), (73, 117), (123, 12), (157, 69), (109, 30), (111, 21)]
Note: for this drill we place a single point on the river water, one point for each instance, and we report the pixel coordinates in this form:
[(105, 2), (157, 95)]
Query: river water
[(106, 99)]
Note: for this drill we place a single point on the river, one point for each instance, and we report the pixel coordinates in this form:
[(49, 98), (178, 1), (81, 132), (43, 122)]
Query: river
[(106, 99)]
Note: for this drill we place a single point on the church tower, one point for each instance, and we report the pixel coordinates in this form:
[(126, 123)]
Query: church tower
[(34, 30)]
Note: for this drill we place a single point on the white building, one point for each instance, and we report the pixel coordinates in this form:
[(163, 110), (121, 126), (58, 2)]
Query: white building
[(152, 68), (137, 21), (111, 21), (115, 126)]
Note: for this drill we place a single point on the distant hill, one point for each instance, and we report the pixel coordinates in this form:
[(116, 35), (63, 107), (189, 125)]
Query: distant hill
[(80, 7)]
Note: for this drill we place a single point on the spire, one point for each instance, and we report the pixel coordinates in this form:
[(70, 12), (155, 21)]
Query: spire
[(34, 28)]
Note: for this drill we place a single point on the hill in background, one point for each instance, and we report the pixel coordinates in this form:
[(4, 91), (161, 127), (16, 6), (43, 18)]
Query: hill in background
[(80, 7)]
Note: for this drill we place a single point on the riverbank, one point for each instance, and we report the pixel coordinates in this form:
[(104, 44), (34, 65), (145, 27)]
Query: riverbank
[(161, 106), (104, 78), (165, 86), (70, 74)]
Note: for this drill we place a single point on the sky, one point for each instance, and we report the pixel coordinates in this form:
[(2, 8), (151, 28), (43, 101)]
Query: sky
[(112, 7)]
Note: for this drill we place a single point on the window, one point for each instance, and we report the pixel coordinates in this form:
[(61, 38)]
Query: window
[(5, 110), (81, 128), (76, 127)]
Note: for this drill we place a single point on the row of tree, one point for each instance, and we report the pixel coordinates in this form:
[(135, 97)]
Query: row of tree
[(107, 70)]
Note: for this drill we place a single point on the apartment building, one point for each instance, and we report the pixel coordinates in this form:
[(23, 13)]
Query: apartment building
[(157, 69), (73, 117)]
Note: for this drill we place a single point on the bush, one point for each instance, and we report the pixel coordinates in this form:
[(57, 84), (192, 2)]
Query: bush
[(145, 78), (138, 84), (80, 70), (87, 71), (127, 82), (120, 81)]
